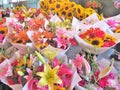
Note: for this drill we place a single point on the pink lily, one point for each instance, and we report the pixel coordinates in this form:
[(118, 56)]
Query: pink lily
[(62, 42), (80, 62), (29, 76), (6, 69), (33, 85), (65, 74)]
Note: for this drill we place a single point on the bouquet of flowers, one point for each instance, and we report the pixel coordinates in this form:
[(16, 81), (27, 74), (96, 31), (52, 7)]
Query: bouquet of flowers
[(95, 77), (97, 38)]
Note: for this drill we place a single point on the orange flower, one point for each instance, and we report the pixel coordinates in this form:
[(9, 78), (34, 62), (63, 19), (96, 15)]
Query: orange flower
[(21, 63), (48, 35), (21, 37), (94, 4), (36, 36), (88, 4), (3, 30)]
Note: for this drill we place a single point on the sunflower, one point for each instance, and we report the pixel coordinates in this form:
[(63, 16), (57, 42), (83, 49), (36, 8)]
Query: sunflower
[(72, 4), (89, 11), (57, 6), (63, 13), (52, 7), (96, 42), (66, 6), (117, 30), (69, 15), (109, 37), (79, 11), (42, 4), (17, 8)]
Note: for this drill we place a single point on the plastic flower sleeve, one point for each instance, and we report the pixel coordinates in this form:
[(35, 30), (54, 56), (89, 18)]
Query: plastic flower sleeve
[(80, 25), (92, 19), (86, 46), (55, 19)]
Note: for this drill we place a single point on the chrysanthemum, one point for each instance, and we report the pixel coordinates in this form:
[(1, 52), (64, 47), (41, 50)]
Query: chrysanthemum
[(96, 42)]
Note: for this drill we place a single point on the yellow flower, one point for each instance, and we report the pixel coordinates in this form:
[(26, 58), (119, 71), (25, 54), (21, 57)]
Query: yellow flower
[(79, 11), (62, 13), (50, 52), (49, 76), (66, 6), (72, 4), (89, 11), (17, 8), (109, 37), (56, 87), (96, 42), (57, 6), (52, 7), (101, 17), (70, 15)]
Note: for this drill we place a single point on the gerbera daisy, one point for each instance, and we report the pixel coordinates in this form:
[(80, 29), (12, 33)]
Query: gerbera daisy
[(96, 42)]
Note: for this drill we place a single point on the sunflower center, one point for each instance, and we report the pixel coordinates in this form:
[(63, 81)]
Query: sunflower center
[(58, 6), (63, 13), (95, 42), (78, 10), (66, 8), (69, 14)]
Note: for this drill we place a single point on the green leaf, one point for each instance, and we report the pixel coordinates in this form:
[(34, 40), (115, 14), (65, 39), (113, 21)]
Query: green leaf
[(24, 60), (40, 57)]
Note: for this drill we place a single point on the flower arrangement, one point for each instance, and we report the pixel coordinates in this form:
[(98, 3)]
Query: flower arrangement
[(22, 13), (3, 32), (66, 9), (44, 71), (93, 75), (98, 38)]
